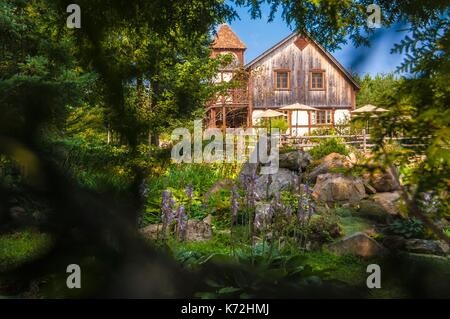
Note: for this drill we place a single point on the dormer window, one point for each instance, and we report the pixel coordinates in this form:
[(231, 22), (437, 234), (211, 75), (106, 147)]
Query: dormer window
[(317, 80), (282, 80)]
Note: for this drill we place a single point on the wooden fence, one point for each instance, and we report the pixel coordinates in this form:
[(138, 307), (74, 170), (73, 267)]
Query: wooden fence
[(361, 141)]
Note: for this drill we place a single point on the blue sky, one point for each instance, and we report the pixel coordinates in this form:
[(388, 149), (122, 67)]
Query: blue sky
[(259, 35)]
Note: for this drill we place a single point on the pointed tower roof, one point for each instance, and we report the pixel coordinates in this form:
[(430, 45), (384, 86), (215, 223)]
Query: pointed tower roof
[(227, 39)]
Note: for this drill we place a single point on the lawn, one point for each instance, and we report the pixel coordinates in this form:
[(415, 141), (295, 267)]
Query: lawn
[(22, 246)]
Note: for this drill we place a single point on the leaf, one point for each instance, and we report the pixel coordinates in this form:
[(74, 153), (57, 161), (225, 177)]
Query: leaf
[(228, 290), (206, 295)]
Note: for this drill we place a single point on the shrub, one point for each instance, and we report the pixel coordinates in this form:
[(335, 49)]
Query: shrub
[(328, 146), (408, 228)]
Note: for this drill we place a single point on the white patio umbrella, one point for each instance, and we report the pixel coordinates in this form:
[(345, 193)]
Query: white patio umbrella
[(369, 108), (368, 111), (297, 107), (270, 114)]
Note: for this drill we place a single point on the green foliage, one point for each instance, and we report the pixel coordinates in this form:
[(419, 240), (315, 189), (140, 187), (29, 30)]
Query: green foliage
[(202, 177), (256, 273), (328, 146), (408, 228), (39, 75), (93, 163), (276, 123), (20, 247), (349, 269), (447, 231), (379, 90), (324, 227)]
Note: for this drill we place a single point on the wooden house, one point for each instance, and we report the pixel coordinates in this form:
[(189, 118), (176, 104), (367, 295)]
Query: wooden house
[(295, 70)]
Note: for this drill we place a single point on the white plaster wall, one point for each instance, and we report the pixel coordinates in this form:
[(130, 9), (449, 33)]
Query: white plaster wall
[(300, 116), (341, 116)]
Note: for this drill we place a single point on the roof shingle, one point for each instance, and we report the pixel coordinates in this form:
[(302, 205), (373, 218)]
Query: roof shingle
[(227, 39)]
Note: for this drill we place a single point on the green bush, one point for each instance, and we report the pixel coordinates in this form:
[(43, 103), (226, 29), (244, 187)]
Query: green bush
[(408, 228), (328, 146)]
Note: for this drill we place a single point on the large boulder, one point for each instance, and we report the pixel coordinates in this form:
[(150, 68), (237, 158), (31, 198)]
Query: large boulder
[(394, 242), (381, 180), (424, 246), (358, 244), (328, 163), (390, 201), (199, 230), (373, 211), (282, 180), (294, 160), (336, 187)]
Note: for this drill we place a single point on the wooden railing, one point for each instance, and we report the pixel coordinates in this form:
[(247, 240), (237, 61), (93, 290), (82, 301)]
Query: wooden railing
[(362, 141)]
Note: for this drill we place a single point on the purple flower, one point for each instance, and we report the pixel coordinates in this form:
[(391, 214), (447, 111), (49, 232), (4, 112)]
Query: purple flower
[(288, 211), (251, 195), (190, 191), (167, 204), (234, 203), (301, 208), (181, 219), (307, 189)]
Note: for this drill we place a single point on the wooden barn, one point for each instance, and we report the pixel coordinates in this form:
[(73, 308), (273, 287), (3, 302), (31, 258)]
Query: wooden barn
[(295, 71)]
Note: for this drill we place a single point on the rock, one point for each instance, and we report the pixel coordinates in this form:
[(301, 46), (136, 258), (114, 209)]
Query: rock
[(394, 242), (335, 187), (381, 181), (389, 201), (281, 180), (425, 246), (208, 219), (248, 169), (294, 160), (373, 211), (263, 216), (369, 189), (198, 230), (151, 231), (17, 212), (329, 162), (358, 244), (353, 158)]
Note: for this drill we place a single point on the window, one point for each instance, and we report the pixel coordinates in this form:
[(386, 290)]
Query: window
[(282, 80), (323, 117), (317, 80)]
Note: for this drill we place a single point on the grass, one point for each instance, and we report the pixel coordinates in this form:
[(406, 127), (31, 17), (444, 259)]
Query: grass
[(351, 224), (20, 247), (348, 269)]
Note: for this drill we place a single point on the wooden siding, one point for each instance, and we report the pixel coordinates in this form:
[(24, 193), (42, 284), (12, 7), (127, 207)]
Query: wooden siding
[(338, 91)]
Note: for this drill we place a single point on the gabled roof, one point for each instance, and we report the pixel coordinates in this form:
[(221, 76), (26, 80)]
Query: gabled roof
[(227, 39), (321, 48)]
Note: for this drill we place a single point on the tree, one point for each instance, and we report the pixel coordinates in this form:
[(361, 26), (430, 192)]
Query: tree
[(379, 90)]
